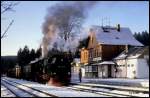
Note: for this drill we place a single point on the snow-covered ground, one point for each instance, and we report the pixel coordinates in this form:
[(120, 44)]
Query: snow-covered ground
[(17, 89), (115, 90), (116, 81), (5, 92), (57, 91), (68, 92), (122, 83)]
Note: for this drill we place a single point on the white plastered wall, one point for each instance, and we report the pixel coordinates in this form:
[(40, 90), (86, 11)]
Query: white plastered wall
[(142, 69)]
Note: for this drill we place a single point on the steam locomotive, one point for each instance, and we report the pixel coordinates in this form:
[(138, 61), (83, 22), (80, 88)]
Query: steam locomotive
[(55, 69)]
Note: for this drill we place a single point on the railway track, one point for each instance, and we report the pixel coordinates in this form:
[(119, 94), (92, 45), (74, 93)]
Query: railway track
[(21, 90), (112, 92), (121, 88), (18, 92), (107, 94), (5, 92), (95, 89)]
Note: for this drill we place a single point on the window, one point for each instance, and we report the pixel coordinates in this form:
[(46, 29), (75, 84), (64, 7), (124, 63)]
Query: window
[(85, 55), (90, 54), (90, 69), (128, 65), (86, 68), (146, 57), (95, 53), (82, 56), (94, 68), (134, 72), (92, 39), (132, 65)]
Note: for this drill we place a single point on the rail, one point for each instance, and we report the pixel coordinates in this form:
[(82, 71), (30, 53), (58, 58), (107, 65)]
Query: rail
[(39, 91), (95, 88)]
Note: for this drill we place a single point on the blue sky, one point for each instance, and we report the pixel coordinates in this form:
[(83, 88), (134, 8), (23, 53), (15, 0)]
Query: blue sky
[(29, 17)]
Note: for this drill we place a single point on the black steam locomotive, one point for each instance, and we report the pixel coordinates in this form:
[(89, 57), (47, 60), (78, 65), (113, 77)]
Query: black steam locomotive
[(55, 69)]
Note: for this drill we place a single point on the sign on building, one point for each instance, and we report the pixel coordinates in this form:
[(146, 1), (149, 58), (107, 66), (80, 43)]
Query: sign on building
[(97, 59)]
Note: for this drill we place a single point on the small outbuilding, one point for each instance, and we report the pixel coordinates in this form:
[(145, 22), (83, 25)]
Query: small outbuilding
[(133, 63)]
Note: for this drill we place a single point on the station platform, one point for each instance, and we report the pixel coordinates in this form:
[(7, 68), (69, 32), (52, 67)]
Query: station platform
[(115, 81)]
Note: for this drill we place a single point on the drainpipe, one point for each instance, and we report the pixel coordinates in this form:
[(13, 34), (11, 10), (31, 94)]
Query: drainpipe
[(126, 48), (126, 66), (126, 51)]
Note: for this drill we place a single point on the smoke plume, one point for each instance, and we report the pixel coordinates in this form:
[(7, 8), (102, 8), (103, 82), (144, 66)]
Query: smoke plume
[(63, 24)]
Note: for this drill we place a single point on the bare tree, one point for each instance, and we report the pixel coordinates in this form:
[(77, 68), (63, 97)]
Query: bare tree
[(5, 7)]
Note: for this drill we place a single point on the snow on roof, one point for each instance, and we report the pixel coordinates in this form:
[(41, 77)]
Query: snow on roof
[(114, 37), (36, 60), (105, 62), (134, 52)]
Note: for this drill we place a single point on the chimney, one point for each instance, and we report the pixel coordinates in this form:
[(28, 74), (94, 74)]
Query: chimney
[(118, 27), (126, 48), (91, 34)]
